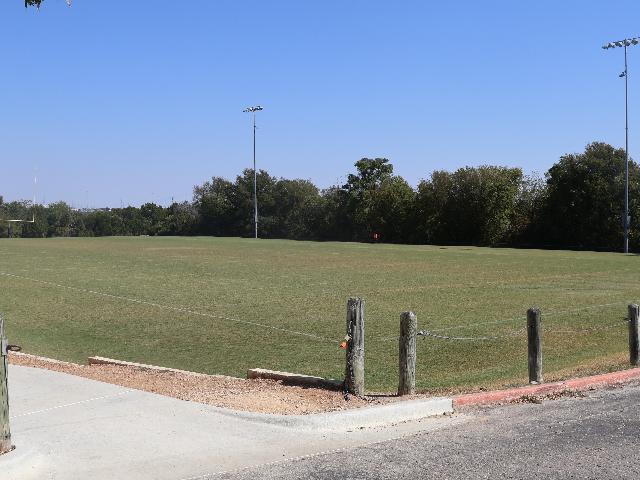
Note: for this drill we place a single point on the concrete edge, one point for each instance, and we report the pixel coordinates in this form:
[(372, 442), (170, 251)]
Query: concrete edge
[(36, 357), (294, 378), (595, 381), (373, 416), (15, 463), (111, 361)]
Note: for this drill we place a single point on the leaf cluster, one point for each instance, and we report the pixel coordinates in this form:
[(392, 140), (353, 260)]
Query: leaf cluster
[(36, 3)]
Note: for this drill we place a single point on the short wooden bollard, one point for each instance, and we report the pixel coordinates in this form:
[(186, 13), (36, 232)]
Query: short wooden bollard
[(534, 331), (634, 334), (354, 373), (407, 353), (5, 434)]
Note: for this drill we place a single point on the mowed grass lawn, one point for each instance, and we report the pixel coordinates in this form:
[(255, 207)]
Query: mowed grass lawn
[(71, 298)]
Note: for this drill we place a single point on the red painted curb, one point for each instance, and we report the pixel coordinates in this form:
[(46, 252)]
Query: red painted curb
[(595, 381)]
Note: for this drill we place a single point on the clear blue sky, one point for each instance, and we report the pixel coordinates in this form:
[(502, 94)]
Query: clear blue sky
[(128, 101)]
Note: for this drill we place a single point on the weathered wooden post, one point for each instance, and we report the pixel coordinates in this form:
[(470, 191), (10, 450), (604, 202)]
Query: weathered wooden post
[(534, 331), (634, 334), (354, 373), (5, 434), (407, 353)]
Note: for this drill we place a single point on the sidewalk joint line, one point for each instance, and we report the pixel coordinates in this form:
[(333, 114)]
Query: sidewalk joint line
[(70, 404)]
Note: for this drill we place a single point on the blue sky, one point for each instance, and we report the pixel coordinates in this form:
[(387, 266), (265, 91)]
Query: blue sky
[(126, 102)]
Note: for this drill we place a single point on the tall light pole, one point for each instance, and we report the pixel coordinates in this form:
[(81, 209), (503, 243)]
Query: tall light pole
[(255, 175), (626, 219)]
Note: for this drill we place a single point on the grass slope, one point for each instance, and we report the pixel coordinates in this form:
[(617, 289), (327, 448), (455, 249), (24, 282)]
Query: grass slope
[(304, 287)]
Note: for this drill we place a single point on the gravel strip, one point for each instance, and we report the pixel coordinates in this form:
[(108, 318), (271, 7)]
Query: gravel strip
[(255, 395)]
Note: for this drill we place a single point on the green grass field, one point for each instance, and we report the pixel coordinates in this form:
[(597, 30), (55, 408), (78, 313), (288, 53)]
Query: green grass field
[(71, 298)]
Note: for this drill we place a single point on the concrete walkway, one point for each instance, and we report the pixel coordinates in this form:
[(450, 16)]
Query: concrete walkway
[(68, 427), (65, 426)]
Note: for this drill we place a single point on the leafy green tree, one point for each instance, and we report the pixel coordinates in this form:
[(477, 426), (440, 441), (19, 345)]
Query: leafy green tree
[(181, 219), (331, 219), (295, 208), (243, 200), (584, 199), (473, 205), (359, 195), (392, 209), (58, 218), (227, 209), (100, 224), (213, 206), (527, 209), (153, 217), (132, 221)]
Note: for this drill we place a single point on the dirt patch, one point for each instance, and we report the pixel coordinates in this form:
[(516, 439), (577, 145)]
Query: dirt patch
[(255, 395)]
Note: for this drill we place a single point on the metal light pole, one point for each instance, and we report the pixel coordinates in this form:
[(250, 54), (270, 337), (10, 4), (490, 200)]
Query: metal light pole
[(255, 175), (626, 219)]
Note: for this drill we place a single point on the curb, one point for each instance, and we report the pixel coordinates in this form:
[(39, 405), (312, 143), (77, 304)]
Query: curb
[(15, 463), (596, 381), (373, 416)]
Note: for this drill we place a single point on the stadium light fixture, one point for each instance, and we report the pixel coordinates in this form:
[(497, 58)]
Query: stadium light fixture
[(626, 219), (255, 175)]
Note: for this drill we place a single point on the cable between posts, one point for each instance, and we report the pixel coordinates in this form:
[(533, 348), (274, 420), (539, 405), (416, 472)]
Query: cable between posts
[(429, 334), (587, 330), (423, 333)]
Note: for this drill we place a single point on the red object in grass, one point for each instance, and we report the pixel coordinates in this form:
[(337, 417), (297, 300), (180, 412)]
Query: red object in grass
[(343, 344)]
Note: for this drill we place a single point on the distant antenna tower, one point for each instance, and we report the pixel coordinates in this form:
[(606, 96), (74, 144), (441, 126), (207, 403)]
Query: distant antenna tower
[(34, 207)]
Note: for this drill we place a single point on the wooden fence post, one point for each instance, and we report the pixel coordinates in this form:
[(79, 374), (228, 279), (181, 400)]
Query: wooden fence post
[(354, 373), (634, 334), (408, 332), (5, 434), (534, 331)]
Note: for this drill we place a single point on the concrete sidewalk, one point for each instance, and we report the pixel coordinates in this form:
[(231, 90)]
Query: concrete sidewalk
[(71, 427)]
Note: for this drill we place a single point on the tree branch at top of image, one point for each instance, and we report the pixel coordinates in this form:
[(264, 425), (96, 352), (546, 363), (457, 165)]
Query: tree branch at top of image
[(36, 3)]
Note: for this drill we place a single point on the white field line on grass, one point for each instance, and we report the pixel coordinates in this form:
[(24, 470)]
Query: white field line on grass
[(184, 310), (71, 404), (302, 333)]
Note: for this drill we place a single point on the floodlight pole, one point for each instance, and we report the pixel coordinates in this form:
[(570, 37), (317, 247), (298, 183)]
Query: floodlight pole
[(626, 221), (255, 175), (625, 218)]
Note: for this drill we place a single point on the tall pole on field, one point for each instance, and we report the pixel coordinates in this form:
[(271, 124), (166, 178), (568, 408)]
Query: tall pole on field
[(626, 220), (255, 175)]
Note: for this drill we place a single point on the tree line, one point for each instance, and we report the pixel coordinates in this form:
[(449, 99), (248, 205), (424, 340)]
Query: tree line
[(578, 203)]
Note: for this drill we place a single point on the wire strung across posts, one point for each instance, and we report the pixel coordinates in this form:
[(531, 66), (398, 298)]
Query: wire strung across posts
[(429, 334), (587, 330), (423, 333)]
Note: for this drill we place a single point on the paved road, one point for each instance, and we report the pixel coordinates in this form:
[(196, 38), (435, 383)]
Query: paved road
[(594, 437)]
